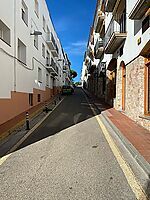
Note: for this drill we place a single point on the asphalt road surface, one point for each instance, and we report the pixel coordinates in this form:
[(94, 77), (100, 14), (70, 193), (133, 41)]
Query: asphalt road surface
[(66, 158)]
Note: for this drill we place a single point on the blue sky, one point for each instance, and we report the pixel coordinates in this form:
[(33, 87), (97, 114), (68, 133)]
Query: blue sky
[(72, 21)]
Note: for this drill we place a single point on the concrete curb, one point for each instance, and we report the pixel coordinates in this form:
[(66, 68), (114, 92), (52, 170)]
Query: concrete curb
[(133, 151), (135, 154)]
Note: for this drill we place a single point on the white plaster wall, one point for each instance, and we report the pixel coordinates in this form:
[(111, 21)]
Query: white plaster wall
[(26, 76), (134, 32), (6, 62), (131, 48)]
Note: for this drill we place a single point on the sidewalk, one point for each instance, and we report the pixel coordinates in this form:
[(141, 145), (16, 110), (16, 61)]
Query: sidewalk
[(137, 135), (10, 140), (136, 138)]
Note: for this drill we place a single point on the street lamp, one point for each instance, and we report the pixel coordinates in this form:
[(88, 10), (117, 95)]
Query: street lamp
[(36, 33)]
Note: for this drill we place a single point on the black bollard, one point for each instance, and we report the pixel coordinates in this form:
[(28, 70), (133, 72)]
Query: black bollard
[(59, 98), (27, 121), (46, 108), (55, 102)]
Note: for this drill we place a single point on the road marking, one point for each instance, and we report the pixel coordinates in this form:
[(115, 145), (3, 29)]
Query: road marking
[(129, 175), (132, 181), (3, 159)]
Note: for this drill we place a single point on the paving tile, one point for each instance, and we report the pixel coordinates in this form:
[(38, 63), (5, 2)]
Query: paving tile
[(138, 136)]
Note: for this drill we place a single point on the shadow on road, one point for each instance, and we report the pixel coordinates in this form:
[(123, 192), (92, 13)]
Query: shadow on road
[(73, 110)]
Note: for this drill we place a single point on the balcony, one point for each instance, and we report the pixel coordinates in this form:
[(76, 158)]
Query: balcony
[(90, 53), (99, 48), (115, 34), (99, 21), (109, 5), (91, 67), (52, 67), (139, 9), (52, 44)]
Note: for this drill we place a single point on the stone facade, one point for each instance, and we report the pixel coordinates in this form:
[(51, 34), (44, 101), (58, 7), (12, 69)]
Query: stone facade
[(134, 96)]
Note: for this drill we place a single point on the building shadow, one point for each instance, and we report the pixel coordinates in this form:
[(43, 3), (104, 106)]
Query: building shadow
[(74, 109)]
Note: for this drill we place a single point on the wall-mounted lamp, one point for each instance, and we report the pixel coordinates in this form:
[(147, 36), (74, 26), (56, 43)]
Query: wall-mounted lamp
[(36, 33)]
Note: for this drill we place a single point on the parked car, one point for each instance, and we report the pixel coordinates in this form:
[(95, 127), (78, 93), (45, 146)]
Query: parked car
[(67, 89)]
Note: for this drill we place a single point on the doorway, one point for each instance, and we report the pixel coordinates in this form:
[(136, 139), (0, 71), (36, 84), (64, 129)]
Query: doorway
[(123, 84)]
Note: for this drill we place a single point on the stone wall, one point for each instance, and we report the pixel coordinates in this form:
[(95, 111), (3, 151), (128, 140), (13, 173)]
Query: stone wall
[(134, 101)]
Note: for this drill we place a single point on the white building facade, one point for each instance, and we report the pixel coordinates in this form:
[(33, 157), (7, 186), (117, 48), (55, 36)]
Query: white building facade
[(124, 49), (32, 59)]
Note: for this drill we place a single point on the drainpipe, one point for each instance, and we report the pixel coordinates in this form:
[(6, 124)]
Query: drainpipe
[(15, 53)]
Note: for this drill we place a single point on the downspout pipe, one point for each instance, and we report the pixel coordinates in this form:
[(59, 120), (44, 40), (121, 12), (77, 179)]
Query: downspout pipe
[(15, 53)]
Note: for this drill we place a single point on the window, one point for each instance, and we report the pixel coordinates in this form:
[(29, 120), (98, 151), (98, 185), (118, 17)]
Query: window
[(4, 33), (36, 41), (43, 50), (36, 7), (24, 11), (145, 24), (123, 22), (40, 75), (39, 98), (47, 80), (31, 99), (44, 24), (21, 52), (47, 59)]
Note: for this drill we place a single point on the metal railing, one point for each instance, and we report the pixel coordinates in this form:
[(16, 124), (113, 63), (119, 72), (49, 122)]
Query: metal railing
[(99, 43), (117, 25), (98, 15), (54, 65), (51, 38)]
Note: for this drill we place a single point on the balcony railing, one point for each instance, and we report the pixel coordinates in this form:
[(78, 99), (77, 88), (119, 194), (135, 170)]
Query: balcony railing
[(115, 34), (99, 48), (52, 44), (109, 5), (99, 21), (52, 66), (139, 9)]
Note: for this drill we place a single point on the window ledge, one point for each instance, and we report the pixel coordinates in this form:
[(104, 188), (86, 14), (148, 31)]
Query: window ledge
[(5, 42), (144, 117)]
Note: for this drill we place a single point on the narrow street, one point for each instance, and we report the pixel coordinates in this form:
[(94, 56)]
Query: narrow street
[(66, 158)]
